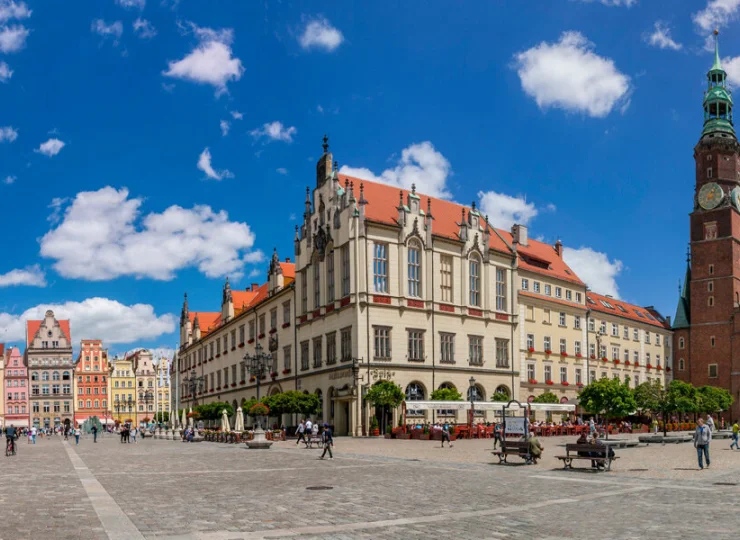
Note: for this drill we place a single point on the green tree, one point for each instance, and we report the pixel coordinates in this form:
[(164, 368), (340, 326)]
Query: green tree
[(711, 399), (500, 397), (162, 417), (446, 394), (212, 411), (648, 397), (547, 397), (385, 394), (609, 397)]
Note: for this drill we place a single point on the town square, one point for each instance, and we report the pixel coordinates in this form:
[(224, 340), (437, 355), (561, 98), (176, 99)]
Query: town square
[(369, 270)]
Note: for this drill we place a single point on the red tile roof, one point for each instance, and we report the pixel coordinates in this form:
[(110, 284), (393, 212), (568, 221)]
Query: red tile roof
[(382, 207), (628, 311), (551, 299), (33, 326), (207, 320), (288, 270)]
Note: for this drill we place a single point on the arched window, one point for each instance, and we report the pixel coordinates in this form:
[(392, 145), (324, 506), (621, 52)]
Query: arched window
[(681, 343), (97, 404), (414, 392), (65, 376), (414, 269), (55, 376), (87, 403), (446, 412), (34, 376), (681, 364), (474, 281), (316, 284), (503, 389), (45, 376), (330, 276), (475, 393)]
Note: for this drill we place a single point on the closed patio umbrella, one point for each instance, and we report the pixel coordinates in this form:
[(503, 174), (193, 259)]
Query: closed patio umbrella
[(239, 422), (190, 420), (224, 421), (184, 422)]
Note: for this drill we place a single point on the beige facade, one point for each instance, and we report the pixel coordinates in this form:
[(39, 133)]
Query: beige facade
[(162, 402), (122, 389), (145, 380)]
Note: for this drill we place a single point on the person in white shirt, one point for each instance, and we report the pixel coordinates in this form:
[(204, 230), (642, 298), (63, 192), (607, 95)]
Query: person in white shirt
[(34, 432), (309, 426), (301, 432)]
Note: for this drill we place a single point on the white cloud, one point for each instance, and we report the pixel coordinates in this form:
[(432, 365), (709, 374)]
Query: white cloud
[(9, 180), (168, 87), (274, 131), (95, 318), (731, 66), (113, 30), (255, 273), (661, 37), (128, 4), (614, 3), (281, 170), (319, 109), (13, 38), (224, 125), (5, 72), (503, 210), (31, 276), (103, 236), (419, 164), (144, 29), (595, 269), (236, 115), (716, 14), (8, 134), (13, 10), (569, 75), (204, 164), (50, 148), (320, 34), (211, 62)]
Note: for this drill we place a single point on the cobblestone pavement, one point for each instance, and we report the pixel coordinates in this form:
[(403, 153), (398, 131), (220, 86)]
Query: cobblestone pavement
[(380, 489)]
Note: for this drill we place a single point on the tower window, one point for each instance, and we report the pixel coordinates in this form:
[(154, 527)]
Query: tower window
[(681, 343), (710, 301), (711, 269), (709, 172), (709, 157), (710, 286), (681, 364), (713, 370), (712, 340)]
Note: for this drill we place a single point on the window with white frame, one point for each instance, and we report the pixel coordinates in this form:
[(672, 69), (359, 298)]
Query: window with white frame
[(414, 269), (577, 347), (548, 290), (626, 334), (536, 286), (547, 344), (615, 353), (447, 343), (563, 345), (636, 357), (563, 374), (602, 351), (416, 345), (577, 322), (530, 341), (637, 381), (446, 278), (568, 294), (330, 277), (382, 339), (561, 319), (591, 375), (647, 337), (602, 327), (647, 358), (475, 349), (657, 338), (531, 373), (657, 359), (345, 271), (636, 334), (579, 298), (591, 324), (626, 355), (558, 292), (380, 267), (615, 330), (548, 373), (502, 353), (525, 284), (500, 289), (474, 281)]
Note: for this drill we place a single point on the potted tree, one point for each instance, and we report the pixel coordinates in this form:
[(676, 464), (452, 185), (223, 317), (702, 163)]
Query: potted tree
[(385, 394), (374, 428)]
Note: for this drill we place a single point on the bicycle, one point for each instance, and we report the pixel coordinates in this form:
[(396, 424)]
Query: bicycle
[(10, 447)]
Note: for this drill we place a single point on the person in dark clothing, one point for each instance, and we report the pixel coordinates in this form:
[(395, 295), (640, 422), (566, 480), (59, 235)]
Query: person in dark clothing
[(95, 433), (497, 428), (328, 440)]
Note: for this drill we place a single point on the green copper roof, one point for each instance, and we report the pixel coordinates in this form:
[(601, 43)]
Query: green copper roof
[(718, 93), (717, 102), (683, 309), (717, 66)]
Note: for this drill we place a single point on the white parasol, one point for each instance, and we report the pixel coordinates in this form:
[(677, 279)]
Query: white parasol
[(184, 421), (224, 421), (239, 422), (190, 420)]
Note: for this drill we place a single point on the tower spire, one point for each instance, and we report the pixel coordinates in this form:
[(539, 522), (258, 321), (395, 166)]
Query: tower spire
[(717, 66), (718, 103)]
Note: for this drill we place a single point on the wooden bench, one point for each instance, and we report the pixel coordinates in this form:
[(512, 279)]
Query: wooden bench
[(598, 453), (518, 448)]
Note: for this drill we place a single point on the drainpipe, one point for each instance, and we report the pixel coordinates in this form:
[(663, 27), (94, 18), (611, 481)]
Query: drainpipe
[(367, 319), (434, 334)]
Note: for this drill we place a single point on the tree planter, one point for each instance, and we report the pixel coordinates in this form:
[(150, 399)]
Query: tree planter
[(375, 433), (387, 436)]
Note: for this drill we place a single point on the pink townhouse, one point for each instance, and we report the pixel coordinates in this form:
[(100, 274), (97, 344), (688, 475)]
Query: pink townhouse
[(16, 390)]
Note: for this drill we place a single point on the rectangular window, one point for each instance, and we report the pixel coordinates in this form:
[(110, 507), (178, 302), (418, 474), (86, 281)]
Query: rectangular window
[(548, 290), (346, 344), (382, 339), (316, 285), (626, 355), (577, 322), (637, 381), (286, 357), (647, 337), (558, 292), (657, 339), (500, 289), (615, 353), (547, 343), (530, 341), (218, 346), (317, 342), (636, 334), (568, 294), (531, 372), (579, 298), (592, 376), (474, 266), (416, 345), (262, 324), (331, 348), (304, 292), (563, 374), (647, 358), (602, 327), (525, 284), (561, 319), (636, 357), (546, 316), (579, 376), (273, 318), (626, 334), (304, 355), (563, 345), (380, 267), (251, 330), (615, 330), (446, 278), (330, 277), (345, 270), (502, 353), (548, 373), (657, 359), (414, 271), (577, 347), (226, 376), (233, 339), (475, 349), (447, 342), (286, 312), (591, 325), (536, 286)]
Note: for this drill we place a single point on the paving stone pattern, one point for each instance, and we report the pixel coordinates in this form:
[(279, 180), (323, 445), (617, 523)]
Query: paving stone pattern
[(380, 489)]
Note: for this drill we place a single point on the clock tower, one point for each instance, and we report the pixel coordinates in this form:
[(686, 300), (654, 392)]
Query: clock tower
[(707, 322)]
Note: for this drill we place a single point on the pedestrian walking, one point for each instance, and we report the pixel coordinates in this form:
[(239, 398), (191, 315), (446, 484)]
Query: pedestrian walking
[(497, 429), (77, 436), (95, 433), (710, 422), (702, 436), (328, 441), (301, 431), (33, 432), (134, 431), (735, 434), (446, 435)]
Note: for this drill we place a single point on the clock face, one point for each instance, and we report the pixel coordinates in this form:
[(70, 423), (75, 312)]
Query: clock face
[(735, 198), (710, 196)]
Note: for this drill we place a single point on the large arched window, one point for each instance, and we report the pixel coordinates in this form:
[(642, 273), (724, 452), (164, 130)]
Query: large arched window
[(34, 376), (681, 364), (330, 276), (446, 412), (503, 389), (414, 269), (475, 393), (474, 280), (415, 392), (681, 343), (65, 376), (55, 376), (45, 376)]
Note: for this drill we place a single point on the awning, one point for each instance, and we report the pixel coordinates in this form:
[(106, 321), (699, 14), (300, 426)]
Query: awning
[(485, 406)]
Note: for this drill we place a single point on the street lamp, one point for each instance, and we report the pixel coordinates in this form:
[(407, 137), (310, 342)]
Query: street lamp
[(148, 398), (471, 391), (256, 365), (195, 383)]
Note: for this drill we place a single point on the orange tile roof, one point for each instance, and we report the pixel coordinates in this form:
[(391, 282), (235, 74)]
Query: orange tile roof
[(33, 326), (551, 299), (288, 270), (647, 316), (382, 207), (207, 320), (242, 299)]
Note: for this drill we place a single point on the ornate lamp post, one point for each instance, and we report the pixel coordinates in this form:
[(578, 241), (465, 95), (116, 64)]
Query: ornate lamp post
[(471, 391), (195, 383), (256, 364), (148, 398)]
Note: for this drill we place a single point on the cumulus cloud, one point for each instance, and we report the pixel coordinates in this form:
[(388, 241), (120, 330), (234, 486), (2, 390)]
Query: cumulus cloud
[(13, 38), (716, 14), (281, 170), (613, 3), (420, 164), (113, 30), (211, 61), (503, 210), (102, 236), (204, 164), (13, 10), (128, 4), (31, 276), (50, 148), (732, 67), (661, 37), (144, 29), (320, 34), (225, 126), (8, 134), (9, 180), (95, 318), (274, 131), (595, 269), (5, 72), (568, 75), (236, 115)]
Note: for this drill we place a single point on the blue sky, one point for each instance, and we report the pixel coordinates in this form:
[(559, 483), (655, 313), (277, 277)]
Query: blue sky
[(149, 148)]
